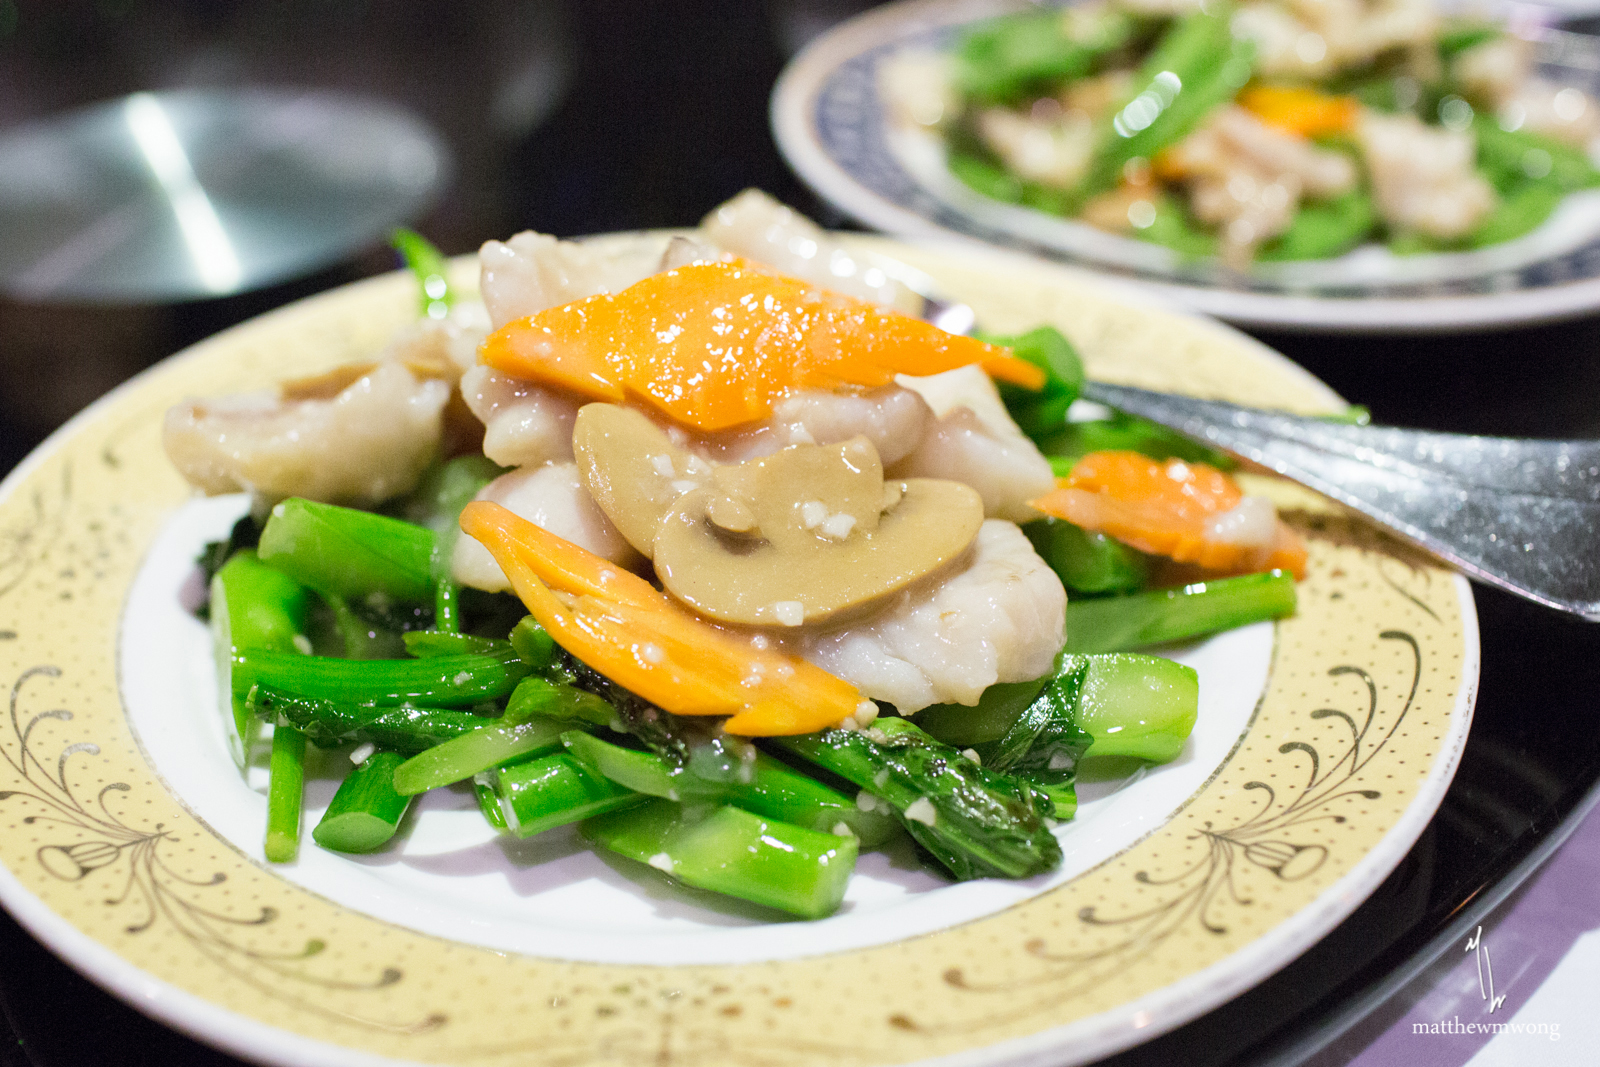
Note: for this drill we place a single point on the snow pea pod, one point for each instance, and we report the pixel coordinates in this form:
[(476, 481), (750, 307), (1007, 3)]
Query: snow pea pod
[(1518, 212), (1196, 66), (998, 61), (1511, 158), (1323, 229)]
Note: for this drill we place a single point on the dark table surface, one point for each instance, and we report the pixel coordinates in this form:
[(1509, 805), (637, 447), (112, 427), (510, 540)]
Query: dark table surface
[(578, 118)]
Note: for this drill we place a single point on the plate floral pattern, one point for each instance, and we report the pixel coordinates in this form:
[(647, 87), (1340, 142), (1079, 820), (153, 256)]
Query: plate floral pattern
[(1347, 753)]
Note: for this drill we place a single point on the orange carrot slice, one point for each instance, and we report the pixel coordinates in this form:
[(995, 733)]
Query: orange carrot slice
[(648, 643), (1164, 508), (715, 345), (1301, 110)]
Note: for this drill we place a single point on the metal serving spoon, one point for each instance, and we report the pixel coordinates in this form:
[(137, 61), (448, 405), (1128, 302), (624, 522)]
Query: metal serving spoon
[(1516, 513)]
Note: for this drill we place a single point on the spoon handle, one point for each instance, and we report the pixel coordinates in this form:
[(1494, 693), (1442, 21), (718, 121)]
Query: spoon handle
[(1523, 515)]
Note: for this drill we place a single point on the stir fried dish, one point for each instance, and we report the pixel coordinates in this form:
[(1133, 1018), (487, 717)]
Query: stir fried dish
[(1257, 129), (716, 548)]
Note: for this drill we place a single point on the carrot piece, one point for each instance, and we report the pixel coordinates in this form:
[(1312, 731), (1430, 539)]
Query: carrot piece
[(715, 345), (1164, 508), (648, 643), (1301, 110)]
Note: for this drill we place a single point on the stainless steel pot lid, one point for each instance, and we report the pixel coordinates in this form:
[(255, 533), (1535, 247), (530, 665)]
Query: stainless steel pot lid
[(159, 197)]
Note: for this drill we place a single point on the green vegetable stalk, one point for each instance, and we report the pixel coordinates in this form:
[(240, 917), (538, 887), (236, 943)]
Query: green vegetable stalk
[(444, 681), (976, 822), (730, 851), (366, 811), (477, 751), (1119, 623), (350, 554), (430, 268), (404, 727), (767, 787), (553, 791), (1087, 562), (285, 794), (253, 606)]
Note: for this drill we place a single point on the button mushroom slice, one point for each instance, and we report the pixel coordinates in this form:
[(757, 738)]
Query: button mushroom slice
[(632, 469), (814, 558), (809, 490)]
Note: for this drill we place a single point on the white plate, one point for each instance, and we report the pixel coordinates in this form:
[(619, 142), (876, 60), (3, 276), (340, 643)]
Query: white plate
[(835, 130)]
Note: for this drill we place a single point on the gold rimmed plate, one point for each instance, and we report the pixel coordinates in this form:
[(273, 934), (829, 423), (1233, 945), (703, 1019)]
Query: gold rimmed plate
[(131, 847)]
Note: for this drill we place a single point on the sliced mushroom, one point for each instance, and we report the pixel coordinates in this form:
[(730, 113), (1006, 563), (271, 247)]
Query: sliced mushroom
[(632, 469), (798, 570), (806, 491), (796, 537)]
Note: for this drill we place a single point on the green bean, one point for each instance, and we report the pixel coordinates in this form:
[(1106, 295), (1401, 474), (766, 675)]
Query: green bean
[(1518, 213), (1000, 60), (1119, 623), (733, 852), (366, 810), (1194, 67), (1509, 158)]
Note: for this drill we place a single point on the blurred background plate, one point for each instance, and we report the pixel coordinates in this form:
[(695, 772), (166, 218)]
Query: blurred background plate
[(834, 127)]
